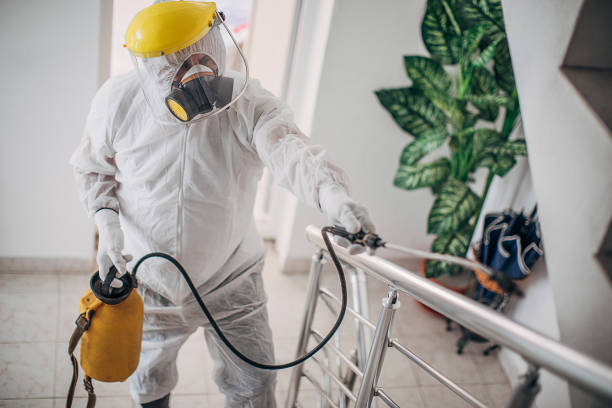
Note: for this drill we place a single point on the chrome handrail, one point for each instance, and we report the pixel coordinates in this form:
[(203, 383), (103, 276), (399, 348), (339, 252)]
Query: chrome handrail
[(539, 350)]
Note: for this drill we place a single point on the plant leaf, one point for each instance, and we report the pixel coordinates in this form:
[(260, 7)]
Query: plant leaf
[(483, 83), (504, 75), (422, 175), (487, 54), (499, 164), (451, 106), (411, 110), (484, 12), (441, 32), (472, 38), (427, 73), (500, 157), (456, 244), (455, 204), (490, 99), (426, 143), (515, 147), (485, 138)]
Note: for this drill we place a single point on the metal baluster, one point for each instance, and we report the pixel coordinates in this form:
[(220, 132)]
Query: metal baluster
[(360, 305), (380, 344), (327, 385), (312, 292), (524, 395), (362, 341), (338, 343)]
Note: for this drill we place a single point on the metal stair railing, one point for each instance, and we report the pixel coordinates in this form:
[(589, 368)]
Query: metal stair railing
[(365, 363)]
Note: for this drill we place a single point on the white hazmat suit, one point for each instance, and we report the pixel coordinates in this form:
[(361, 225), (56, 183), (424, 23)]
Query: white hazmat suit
[(188, 190)]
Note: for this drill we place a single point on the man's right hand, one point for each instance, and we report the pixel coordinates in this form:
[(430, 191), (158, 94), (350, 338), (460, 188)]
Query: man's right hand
[(344, 211), (110, 245)]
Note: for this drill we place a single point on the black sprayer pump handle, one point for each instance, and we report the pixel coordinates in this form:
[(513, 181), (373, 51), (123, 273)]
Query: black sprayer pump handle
[(106, 287)]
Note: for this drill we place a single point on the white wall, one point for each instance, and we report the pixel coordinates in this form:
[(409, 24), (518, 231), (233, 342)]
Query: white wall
[(268, 49), (363, 50), (123, 12), (571, 162), (268, 44), (51, 70)]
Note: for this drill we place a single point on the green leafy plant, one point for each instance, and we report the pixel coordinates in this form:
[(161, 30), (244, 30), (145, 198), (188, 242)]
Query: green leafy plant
[(460, 112)]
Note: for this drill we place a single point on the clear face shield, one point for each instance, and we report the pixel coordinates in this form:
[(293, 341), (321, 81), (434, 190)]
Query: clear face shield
[(194, 82)]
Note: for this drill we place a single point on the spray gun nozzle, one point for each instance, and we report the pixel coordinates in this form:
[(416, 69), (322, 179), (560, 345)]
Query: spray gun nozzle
[(366, 239)]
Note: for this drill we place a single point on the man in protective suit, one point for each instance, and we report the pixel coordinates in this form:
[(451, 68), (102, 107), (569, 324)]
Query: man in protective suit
[(169, 162)]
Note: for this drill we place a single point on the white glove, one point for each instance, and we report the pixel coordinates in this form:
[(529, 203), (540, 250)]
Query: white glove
[(110, 245), (344, 211)]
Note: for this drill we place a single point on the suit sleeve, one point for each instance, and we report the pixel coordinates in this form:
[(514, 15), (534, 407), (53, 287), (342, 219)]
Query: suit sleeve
[(294, 161), (93, 161)]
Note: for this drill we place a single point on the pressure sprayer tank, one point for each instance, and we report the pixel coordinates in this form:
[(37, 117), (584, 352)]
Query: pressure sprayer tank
[(110, 347)]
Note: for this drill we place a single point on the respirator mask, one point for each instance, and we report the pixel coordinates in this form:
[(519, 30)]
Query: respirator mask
[(180, 51), (198, 89)]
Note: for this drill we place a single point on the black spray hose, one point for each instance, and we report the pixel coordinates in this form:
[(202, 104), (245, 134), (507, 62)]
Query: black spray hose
[(215, 326), (369, 240)]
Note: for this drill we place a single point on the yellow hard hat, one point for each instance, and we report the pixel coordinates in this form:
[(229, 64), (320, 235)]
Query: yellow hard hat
[(164, 28)]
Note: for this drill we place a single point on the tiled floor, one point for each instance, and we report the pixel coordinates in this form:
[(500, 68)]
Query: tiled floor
[(37, 313)]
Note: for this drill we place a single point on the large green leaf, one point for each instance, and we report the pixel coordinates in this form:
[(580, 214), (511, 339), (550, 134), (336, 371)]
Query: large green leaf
[(484, 12), (452, 107), (455, 205), (426, 143), (500, 100), (441, 32), (515, 147), (500, 157), (456, 244), (483, 83), (472, 38), (487, 54), (427, 73), (503, 67), (499, 164), (422, 175), (411, 110), (484, 139)]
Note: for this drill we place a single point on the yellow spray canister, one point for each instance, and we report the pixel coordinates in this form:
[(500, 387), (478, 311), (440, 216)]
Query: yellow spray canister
[(109, 327)]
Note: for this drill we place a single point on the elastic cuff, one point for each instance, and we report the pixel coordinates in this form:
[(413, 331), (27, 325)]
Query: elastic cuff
[(105, 218), (106, 208)]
